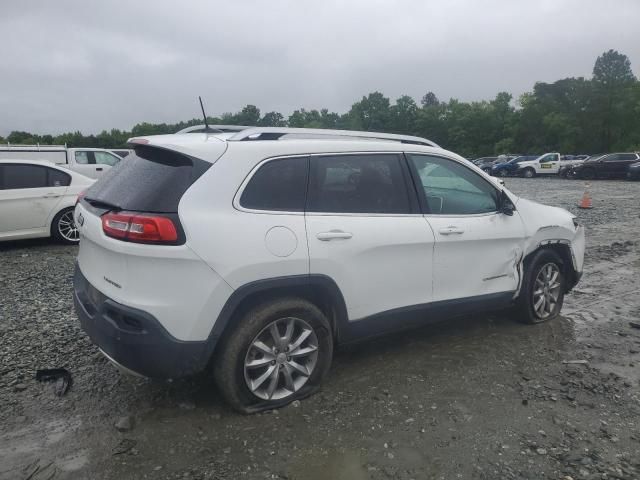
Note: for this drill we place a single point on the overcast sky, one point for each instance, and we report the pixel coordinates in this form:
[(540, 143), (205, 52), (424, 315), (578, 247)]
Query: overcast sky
[(93, 65)]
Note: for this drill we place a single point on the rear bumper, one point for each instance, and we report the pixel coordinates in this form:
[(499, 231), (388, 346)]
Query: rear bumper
[(132, 338)]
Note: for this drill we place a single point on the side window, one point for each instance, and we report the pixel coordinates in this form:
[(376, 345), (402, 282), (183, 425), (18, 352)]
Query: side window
[(24, 176), (452, 189), (58, 178), (614, 157), (278, 185), (105, 158), (627, 156), (548, 158), (367, 183), (83, 158)]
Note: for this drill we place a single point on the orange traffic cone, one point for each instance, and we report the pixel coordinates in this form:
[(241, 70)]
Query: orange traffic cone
[(586, 199)]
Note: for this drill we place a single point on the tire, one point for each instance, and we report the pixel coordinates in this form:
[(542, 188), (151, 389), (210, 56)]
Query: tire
[(588, 174), (502, 173), (63, 228), (525, 309), (529, 173), (232, 375)]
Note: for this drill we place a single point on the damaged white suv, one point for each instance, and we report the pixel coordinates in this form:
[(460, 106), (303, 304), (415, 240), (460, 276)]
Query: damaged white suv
[(252, 254)]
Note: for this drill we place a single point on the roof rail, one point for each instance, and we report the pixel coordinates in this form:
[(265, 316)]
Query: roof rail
[(275, 133), (217, 128)]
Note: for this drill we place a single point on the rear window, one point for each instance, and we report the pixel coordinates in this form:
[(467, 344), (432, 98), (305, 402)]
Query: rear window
[(149, 180)]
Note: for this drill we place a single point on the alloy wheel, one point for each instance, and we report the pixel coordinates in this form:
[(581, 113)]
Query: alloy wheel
[(67, 227), (546, 292), (281, 358)]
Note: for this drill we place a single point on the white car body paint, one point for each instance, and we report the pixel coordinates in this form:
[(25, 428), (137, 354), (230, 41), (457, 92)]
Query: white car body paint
[(28, 212)]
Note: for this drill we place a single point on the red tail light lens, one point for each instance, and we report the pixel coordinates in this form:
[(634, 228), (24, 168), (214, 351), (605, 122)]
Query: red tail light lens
[(139, 228)]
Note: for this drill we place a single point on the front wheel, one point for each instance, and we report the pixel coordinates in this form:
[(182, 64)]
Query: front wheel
[(543, 287), (529, 173), (63, 228), (502, 173), (276, 353)]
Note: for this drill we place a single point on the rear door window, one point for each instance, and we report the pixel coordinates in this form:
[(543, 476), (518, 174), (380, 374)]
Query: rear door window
[(278, 185), (105, 158), (84, 158), (359, 183), (23, 176)]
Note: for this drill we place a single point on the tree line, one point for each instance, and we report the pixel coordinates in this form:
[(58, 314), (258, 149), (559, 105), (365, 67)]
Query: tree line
[(573, 115)]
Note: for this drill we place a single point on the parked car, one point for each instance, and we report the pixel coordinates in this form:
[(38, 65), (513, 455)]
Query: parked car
[(564, 169), (634, 171), (37, 200), (488, 165), (547, 164), (482, 160), (507, 169), (90, 162), (612, 165), (255, 254)]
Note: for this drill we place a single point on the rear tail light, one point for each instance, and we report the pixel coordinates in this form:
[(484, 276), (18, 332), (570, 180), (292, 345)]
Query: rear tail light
[(139, 228)]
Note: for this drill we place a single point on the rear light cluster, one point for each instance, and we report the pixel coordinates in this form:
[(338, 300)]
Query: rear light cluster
[(133, 227)]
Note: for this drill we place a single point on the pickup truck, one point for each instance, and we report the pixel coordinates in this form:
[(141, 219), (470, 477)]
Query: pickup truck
[(547, 164), (90, 162)]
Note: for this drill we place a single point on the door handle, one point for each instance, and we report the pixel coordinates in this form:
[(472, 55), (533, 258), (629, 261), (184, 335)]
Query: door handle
[(451, 230), (98, 169), (334, 235), (51, 195)]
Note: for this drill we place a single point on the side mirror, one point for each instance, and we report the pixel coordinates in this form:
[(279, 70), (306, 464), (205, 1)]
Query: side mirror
[(506, 206)]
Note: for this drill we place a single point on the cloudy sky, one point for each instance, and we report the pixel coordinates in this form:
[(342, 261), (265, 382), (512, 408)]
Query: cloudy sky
[(89, 65)]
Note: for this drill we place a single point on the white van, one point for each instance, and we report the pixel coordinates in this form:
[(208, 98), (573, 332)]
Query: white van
[(90, 162)]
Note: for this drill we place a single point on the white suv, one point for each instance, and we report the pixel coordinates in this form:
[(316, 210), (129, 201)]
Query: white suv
[(252, 254)]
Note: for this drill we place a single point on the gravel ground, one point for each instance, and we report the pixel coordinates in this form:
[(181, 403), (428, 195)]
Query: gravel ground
[(477, 398)]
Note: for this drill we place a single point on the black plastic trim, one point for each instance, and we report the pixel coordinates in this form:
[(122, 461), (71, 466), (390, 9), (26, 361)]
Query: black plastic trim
[(414, 316), (134, 338)]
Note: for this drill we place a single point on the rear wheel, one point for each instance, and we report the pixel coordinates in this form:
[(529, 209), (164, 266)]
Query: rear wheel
[(63, 227), (542, 292), (529, 173), (502, 173), (278, 352)]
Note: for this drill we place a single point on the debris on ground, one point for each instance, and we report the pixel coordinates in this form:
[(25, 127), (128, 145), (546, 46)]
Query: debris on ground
[(61, 376), (124, 424)]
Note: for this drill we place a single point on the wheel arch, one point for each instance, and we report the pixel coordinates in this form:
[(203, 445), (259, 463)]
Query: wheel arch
[(320, 290), (561, 247), (58, 209)]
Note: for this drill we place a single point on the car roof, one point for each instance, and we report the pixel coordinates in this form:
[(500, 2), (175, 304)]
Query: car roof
[(285, 141)]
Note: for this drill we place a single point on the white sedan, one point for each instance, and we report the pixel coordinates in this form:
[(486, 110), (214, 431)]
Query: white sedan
[(37, 200)]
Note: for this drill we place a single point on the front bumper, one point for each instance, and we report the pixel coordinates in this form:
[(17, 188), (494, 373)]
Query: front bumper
[(132, 338)]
